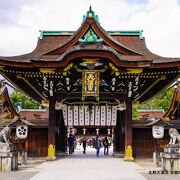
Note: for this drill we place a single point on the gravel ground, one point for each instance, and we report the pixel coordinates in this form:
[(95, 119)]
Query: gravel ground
[(161, 177), (148, 168), (24, 172), (16, 175)]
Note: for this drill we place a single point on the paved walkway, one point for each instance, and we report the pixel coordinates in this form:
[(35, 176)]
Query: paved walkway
[(81, 166)]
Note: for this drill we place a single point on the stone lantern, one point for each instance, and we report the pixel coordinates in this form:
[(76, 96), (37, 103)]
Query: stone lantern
[(157, 133)]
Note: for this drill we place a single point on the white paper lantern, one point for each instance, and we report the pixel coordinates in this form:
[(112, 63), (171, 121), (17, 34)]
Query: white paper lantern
[(109, 131), (22, 131), (97, 131), (158, 132), (84, 131)]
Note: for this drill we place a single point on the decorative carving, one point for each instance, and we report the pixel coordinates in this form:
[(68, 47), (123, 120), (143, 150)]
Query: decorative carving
[(174, 136), (171, 154), (90, 13), (5, 135), (90, 63), (90, 37)]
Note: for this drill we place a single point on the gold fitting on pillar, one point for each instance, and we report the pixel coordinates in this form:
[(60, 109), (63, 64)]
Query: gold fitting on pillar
[(51, 152), (128, 154)]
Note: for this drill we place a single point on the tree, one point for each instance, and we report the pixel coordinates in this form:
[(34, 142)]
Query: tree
[(19, 99), (163, 101)]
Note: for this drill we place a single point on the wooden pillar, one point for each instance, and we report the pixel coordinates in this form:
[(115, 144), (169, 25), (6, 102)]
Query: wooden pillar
[(61, 135), (51, 130), (128, 131), (26, 145), (118, 134)]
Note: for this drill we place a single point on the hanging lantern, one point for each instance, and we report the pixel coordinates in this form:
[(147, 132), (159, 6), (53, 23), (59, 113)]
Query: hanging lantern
[(109, 131), (158, 131), (84, 131), (73, 131), (22, 131), (97, 131)]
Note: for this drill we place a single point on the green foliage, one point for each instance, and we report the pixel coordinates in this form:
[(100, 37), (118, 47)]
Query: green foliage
[(18, 98), (162, 101), (135, 115)]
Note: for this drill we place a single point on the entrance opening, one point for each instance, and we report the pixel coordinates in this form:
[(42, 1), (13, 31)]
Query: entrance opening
[(87, 137), (102, 121)]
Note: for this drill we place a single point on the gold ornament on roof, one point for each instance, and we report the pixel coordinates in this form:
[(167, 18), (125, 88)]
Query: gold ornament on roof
[(90, 15)]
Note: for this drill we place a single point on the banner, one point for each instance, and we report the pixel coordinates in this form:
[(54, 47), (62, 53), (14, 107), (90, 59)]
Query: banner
[(70, 115), (86, 108), (76, 117), (64, 109), (92, 116), (103, 115), (81, 116), (108, 115), (89, 115), (114, 116)]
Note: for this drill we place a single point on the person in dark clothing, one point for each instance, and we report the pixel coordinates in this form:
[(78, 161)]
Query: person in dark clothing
[(106, 146), (97, 145), (84, 145), (71, 143)]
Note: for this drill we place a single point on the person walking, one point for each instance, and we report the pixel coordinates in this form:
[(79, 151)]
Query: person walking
[(106, 146), (71, 143), (97, 145), (84, 145)]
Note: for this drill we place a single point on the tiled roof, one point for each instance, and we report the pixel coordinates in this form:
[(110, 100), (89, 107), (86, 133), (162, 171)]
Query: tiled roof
[(132, 43), (37, 117), (7, 112), (150, 114)]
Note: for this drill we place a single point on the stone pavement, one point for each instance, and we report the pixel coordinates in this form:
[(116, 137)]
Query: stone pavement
[(81, 166), (87, 167)]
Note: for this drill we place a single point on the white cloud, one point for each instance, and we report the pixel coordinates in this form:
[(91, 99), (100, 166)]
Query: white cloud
[(159, 20)]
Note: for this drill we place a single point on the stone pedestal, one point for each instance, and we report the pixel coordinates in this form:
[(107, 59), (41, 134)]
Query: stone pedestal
[(8, 158), (171, 158)]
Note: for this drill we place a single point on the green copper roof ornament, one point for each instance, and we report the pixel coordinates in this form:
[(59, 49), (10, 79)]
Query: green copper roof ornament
[(90, 36), (90, 14)]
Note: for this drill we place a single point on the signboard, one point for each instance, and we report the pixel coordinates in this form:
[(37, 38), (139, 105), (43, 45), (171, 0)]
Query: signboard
[(158, 132), (90, 83)]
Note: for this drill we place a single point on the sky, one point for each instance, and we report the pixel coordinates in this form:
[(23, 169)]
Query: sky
[(21, 20)]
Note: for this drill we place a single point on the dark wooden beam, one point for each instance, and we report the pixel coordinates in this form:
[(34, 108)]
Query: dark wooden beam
[(149, 88), (158, 87), (102, 95), (32, 87)]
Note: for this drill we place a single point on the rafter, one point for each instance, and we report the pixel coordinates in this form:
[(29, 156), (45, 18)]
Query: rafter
[(30, 85)]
